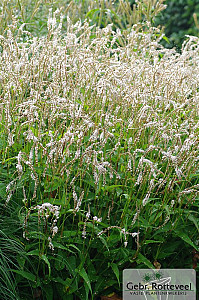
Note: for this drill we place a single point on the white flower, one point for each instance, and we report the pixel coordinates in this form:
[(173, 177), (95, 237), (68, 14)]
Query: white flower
[(125, 244), (50, 244), (172, 203), (129, 165), (134, 234), (54, 230), (87, 215), (144, 201), (84, 234)]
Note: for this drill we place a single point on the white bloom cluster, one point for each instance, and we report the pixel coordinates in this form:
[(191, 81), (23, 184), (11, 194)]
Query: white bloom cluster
[(122, 231), (45, 211), (94, 111), (96, 219)]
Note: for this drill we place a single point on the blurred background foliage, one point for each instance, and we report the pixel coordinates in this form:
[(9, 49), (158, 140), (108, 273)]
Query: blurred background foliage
[(179, 18)]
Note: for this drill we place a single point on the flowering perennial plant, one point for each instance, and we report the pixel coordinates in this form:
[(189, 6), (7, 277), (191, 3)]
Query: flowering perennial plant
[(101, 143)]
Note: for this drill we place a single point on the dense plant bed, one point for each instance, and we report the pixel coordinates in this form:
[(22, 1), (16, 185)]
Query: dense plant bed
[(98, 158)]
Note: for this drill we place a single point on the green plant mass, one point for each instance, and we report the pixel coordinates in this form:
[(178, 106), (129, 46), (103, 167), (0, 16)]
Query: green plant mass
[(178, 19), (99, 148)]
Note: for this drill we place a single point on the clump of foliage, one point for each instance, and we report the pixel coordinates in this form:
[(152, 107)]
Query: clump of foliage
[(12, 253), (99, 151), (178, 20)]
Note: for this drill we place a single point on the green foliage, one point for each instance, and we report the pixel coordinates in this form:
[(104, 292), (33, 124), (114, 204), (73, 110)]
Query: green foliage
[(98, 149), (178, 20), (11, 252), (33, 15)]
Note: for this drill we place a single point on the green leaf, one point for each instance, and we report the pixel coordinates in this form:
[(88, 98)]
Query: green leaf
[(37, 235), (41, 256), (84, 275), (34, 252), (59, 263), (71, 264), (91, 13), (3, 193), (194, 220), (24, 274), (73, 246), (166, 39), (116, 271), (45, 259), (48, 291), (69, 233), (100, 285), (144, 260), (104, 242), (52, 187), (186, 239), (59, 246), (151, 242), (104, 285), (90, 225), (111, 187), (86, 290)]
